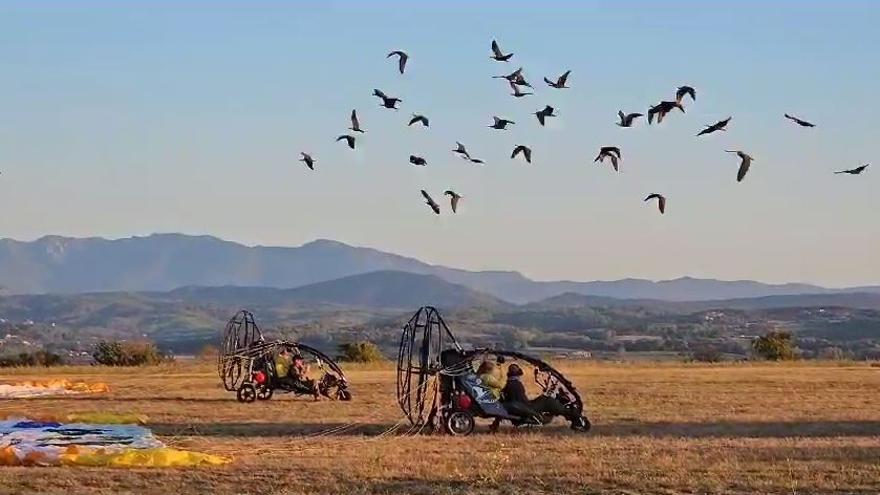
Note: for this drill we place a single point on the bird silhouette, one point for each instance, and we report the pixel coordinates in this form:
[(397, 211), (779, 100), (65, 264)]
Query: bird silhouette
[(745, 163), (626, 120), (430, 202), (517, 93), (685, 90), (663, 108), (500, 123), (525, 150), (612, 152), (417, 160), (420, 119), (802, 123), (348, 139), (854, 171), (560, 81), (401, 60), (721, 125), (355, 124), (516, 77), (661, 203), (308, 160), (497, 54), (462, 151), (545, 112), (387, 101), (454, 198)]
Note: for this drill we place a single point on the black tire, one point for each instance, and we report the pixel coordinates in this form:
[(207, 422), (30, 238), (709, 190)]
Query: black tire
[(582, 424), (265, 393), (459, 423), (343, 394), (246, 393)]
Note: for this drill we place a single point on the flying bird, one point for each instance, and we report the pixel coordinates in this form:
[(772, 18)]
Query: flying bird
[(545, 112), (308, 160), (515, 77), (661, 203), (517, 93), (420, 119), (560, 81), (430, 202), (500, 123), (454, 198), (525, 150), (854, 171), (802, 123), (462, 151), (401, 61), (497, 54), (355, 124), (417, 160), (612, 152), (626, 120), (744, 164), (387, 101), (348, 139), (721, 125), (685, 91), (663, 108)]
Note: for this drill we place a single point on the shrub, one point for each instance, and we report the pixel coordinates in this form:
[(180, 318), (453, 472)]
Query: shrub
[(360, 352), (775, 346), (707, 354), (38, 358), (127, 354)]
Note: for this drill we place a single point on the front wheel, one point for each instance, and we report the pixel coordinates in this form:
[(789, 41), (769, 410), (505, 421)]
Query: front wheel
[(246, 393), (343, 395), (581, 424), (459, 423)]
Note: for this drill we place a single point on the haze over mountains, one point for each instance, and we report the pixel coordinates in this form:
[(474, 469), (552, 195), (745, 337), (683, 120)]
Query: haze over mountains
[(164, 262)]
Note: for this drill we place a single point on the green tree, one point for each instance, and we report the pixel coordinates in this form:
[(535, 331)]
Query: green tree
[(360, 352), (127, 354), (775, 346)]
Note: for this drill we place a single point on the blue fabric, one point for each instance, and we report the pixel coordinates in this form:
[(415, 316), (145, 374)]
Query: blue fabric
[(36, 424)]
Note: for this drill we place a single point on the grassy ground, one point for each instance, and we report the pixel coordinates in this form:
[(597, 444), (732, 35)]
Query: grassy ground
[(658, 429)]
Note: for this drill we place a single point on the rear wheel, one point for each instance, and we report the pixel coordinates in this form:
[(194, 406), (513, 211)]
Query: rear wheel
[(265, 393), (246, 393), (459, 423)]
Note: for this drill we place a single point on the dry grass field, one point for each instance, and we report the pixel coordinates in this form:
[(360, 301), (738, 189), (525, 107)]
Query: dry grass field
[(659, 428)]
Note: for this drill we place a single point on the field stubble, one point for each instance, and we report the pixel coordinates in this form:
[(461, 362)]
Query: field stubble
[(659, 428)]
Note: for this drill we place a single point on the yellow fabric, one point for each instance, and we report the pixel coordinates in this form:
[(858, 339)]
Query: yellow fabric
[(66, 385), (161, 457), (282, 365), (85, 417), (494, 383), (107, 418)]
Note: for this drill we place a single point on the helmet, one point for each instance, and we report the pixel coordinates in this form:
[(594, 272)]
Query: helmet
[(514, 370)]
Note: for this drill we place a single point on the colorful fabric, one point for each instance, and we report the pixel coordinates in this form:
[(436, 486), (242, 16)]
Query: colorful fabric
[(29, 389), (25, 442)]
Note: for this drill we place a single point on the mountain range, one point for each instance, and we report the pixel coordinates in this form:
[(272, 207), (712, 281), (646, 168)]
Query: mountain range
[(165, 262)]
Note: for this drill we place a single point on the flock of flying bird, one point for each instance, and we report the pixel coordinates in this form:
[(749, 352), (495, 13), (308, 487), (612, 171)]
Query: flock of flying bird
[(516, 80)]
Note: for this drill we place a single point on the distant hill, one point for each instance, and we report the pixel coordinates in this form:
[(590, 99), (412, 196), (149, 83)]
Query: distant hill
[(382, 290), (854, 300), (163, 262)]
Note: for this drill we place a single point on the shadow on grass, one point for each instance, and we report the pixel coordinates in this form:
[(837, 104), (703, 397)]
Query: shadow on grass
[(721, 429), (742, 429)]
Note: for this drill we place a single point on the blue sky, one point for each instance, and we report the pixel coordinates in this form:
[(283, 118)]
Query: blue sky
[(127, 118)]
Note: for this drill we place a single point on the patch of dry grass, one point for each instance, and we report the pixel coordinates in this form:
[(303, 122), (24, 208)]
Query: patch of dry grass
[(658, 429)]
